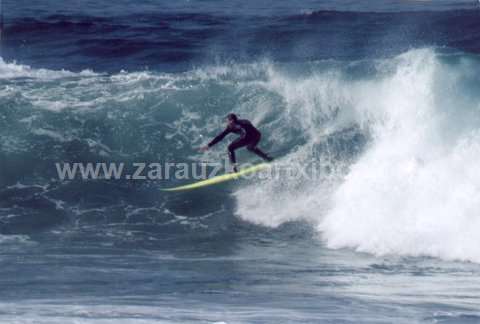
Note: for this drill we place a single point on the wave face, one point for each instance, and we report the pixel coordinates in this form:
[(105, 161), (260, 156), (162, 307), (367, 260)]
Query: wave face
[(394, 142)]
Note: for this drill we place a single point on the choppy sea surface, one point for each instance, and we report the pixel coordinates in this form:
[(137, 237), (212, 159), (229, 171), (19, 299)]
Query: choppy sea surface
[(380, 98)]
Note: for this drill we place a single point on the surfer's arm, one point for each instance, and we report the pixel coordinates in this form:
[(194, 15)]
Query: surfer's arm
[(220, 137)]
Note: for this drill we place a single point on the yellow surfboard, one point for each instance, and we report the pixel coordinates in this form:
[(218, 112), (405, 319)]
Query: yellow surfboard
[(221, 178)]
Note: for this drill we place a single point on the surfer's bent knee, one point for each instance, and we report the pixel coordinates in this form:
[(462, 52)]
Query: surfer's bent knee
[(232, 147)]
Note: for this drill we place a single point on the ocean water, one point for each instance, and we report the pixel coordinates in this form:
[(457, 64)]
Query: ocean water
[(381, 99)]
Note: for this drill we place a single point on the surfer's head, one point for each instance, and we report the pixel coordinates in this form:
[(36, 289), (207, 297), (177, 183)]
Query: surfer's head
[(232, 118)]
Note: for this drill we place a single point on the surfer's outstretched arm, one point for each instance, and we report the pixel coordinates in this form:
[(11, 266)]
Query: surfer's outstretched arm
[(217, 139)]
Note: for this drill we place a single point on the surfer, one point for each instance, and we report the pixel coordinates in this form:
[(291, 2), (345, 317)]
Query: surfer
[(249, 137)]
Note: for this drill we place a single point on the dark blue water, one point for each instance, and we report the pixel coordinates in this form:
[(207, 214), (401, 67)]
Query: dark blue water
[(379, 99), (177, 36)]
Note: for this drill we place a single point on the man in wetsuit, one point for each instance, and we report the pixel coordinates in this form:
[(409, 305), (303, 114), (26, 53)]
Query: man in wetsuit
[(249, 137)]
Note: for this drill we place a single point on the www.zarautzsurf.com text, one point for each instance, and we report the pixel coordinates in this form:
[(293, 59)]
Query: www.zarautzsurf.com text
[(171, 170)]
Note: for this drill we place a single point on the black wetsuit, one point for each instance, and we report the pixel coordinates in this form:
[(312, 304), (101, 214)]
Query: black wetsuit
[(249, 137)]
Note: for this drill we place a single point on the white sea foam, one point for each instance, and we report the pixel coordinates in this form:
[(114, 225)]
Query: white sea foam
[(9, 70)]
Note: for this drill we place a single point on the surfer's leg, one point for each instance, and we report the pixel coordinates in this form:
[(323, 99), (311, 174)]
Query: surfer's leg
[(238, 143), (252, 147), (261, 154)]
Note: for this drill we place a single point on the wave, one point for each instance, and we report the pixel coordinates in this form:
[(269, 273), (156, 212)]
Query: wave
[(91, 25), (393, 142)]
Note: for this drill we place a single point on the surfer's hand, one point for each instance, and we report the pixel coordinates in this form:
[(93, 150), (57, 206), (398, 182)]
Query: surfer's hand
[(203, 148)]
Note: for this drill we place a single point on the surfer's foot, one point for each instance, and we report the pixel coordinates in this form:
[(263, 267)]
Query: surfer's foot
[(234, 169), (269, 158)]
